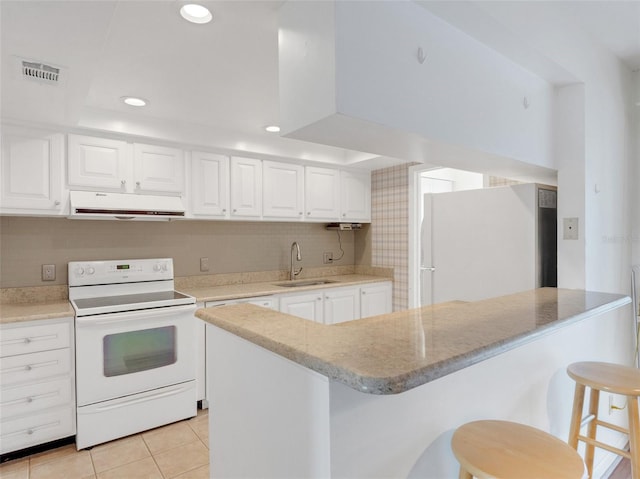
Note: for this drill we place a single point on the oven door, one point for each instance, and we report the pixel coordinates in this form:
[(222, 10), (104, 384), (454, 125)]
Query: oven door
[(125, 353)]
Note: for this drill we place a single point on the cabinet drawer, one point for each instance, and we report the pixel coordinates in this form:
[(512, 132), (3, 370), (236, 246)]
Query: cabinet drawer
[(31, 339), (31, 367), (37, 429), (29, 398)]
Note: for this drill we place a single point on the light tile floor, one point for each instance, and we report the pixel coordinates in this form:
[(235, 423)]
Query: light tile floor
[(179, 450)]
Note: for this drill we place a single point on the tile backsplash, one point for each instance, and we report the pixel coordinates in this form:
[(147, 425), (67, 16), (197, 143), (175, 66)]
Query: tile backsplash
[(232, 247)]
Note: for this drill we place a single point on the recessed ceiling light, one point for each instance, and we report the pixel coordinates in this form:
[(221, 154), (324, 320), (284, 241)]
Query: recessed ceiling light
[(272, 128), (134, 101), (196, 13)]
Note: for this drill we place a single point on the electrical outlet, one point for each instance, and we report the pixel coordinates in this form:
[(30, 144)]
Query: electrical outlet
[(327, 257), (204, 264), (48, 272)]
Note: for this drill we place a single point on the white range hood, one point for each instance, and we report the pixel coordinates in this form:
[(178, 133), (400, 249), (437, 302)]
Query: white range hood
[(121, 206)]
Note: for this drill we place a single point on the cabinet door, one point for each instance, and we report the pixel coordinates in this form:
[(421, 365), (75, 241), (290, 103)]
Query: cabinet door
[(306, 306), (246, 187), (355, 202), (322, 194), (158, 168), (98, 163), (283, 186), (375, 299), (31, 170), (209, 183), (341, 305)]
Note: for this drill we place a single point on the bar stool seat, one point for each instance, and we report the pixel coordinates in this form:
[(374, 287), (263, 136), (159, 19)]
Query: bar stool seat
[(612, 378), (508, 450)]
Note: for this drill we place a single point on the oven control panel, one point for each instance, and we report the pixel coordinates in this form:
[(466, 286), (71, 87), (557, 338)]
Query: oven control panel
[(83, 273)]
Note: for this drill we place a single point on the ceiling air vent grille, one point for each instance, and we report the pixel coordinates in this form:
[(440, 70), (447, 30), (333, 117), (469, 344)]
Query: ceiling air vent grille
[(40, 72)]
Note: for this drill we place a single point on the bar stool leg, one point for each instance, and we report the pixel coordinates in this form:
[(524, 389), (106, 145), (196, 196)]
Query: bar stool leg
[(576, 415), (464, 474), (594, 402), (634, 435)]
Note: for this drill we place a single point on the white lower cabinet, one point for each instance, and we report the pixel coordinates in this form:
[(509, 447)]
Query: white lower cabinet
[(375, 299), (337, 305), (304, 305), (36, 383), (341, 304)]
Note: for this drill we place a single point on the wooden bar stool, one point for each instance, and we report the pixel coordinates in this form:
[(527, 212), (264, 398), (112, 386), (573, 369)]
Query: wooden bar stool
[(612, 378), (507, 450)]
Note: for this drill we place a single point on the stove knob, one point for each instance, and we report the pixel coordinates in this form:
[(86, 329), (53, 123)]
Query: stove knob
[(164, 267), (157, 267), (79, 271), (91, 270)]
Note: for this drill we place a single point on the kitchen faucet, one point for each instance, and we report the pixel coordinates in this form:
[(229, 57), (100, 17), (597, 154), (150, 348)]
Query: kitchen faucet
[(293, 273)]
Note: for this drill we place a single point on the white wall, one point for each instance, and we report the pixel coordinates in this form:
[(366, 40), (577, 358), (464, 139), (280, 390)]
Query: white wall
[(606, 160), (385, 101)]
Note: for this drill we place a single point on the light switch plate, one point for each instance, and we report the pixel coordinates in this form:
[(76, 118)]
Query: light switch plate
[(204, 264), (570, 228)]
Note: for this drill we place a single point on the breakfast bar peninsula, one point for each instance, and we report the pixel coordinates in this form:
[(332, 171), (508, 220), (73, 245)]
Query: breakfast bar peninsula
[(381, 396)]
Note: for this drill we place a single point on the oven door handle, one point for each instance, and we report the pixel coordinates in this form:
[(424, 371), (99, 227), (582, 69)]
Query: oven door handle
[(111, 318)]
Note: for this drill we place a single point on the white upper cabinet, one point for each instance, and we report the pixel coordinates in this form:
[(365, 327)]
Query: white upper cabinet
[(158, 169), (100, 163), (209, 184), (322, 193), (246, 187), (355, 200), (31, 179), (115, 165), (283, 190)]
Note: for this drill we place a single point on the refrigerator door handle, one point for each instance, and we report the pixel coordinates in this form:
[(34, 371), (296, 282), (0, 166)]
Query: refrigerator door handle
[(427, 268)]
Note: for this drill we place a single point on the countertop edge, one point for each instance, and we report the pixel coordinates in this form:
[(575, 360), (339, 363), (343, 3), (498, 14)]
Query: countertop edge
[(415, 378)]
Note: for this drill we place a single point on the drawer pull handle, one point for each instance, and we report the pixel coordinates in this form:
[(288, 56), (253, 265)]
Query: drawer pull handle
[(29, 367), (30, 399), (28, 340), (32, 430)]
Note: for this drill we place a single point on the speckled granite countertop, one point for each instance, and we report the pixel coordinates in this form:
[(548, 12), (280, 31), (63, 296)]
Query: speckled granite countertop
[(248, 290), (395, 352), (34, 303), (19, 312)]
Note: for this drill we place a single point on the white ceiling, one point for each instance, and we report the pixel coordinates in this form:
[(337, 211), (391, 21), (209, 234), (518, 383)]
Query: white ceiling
[(220, 81)]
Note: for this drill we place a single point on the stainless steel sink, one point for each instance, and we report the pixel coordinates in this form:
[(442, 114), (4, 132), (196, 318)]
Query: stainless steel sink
[(308, 282)]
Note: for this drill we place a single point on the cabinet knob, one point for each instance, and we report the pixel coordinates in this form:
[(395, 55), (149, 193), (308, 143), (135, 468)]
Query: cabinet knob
[(224, 210), (123, 182), (318, 299), (235, 210), (308, 213), (27, 340), (344, 214), (56, 203), (300, 212), (29, 431), (137, 184), (364, 292), (29, 399), (27, 368)]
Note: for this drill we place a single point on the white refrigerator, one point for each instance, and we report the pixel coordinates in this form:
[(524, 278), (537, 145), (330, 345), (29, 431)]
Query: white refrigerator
[(488, 242)]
